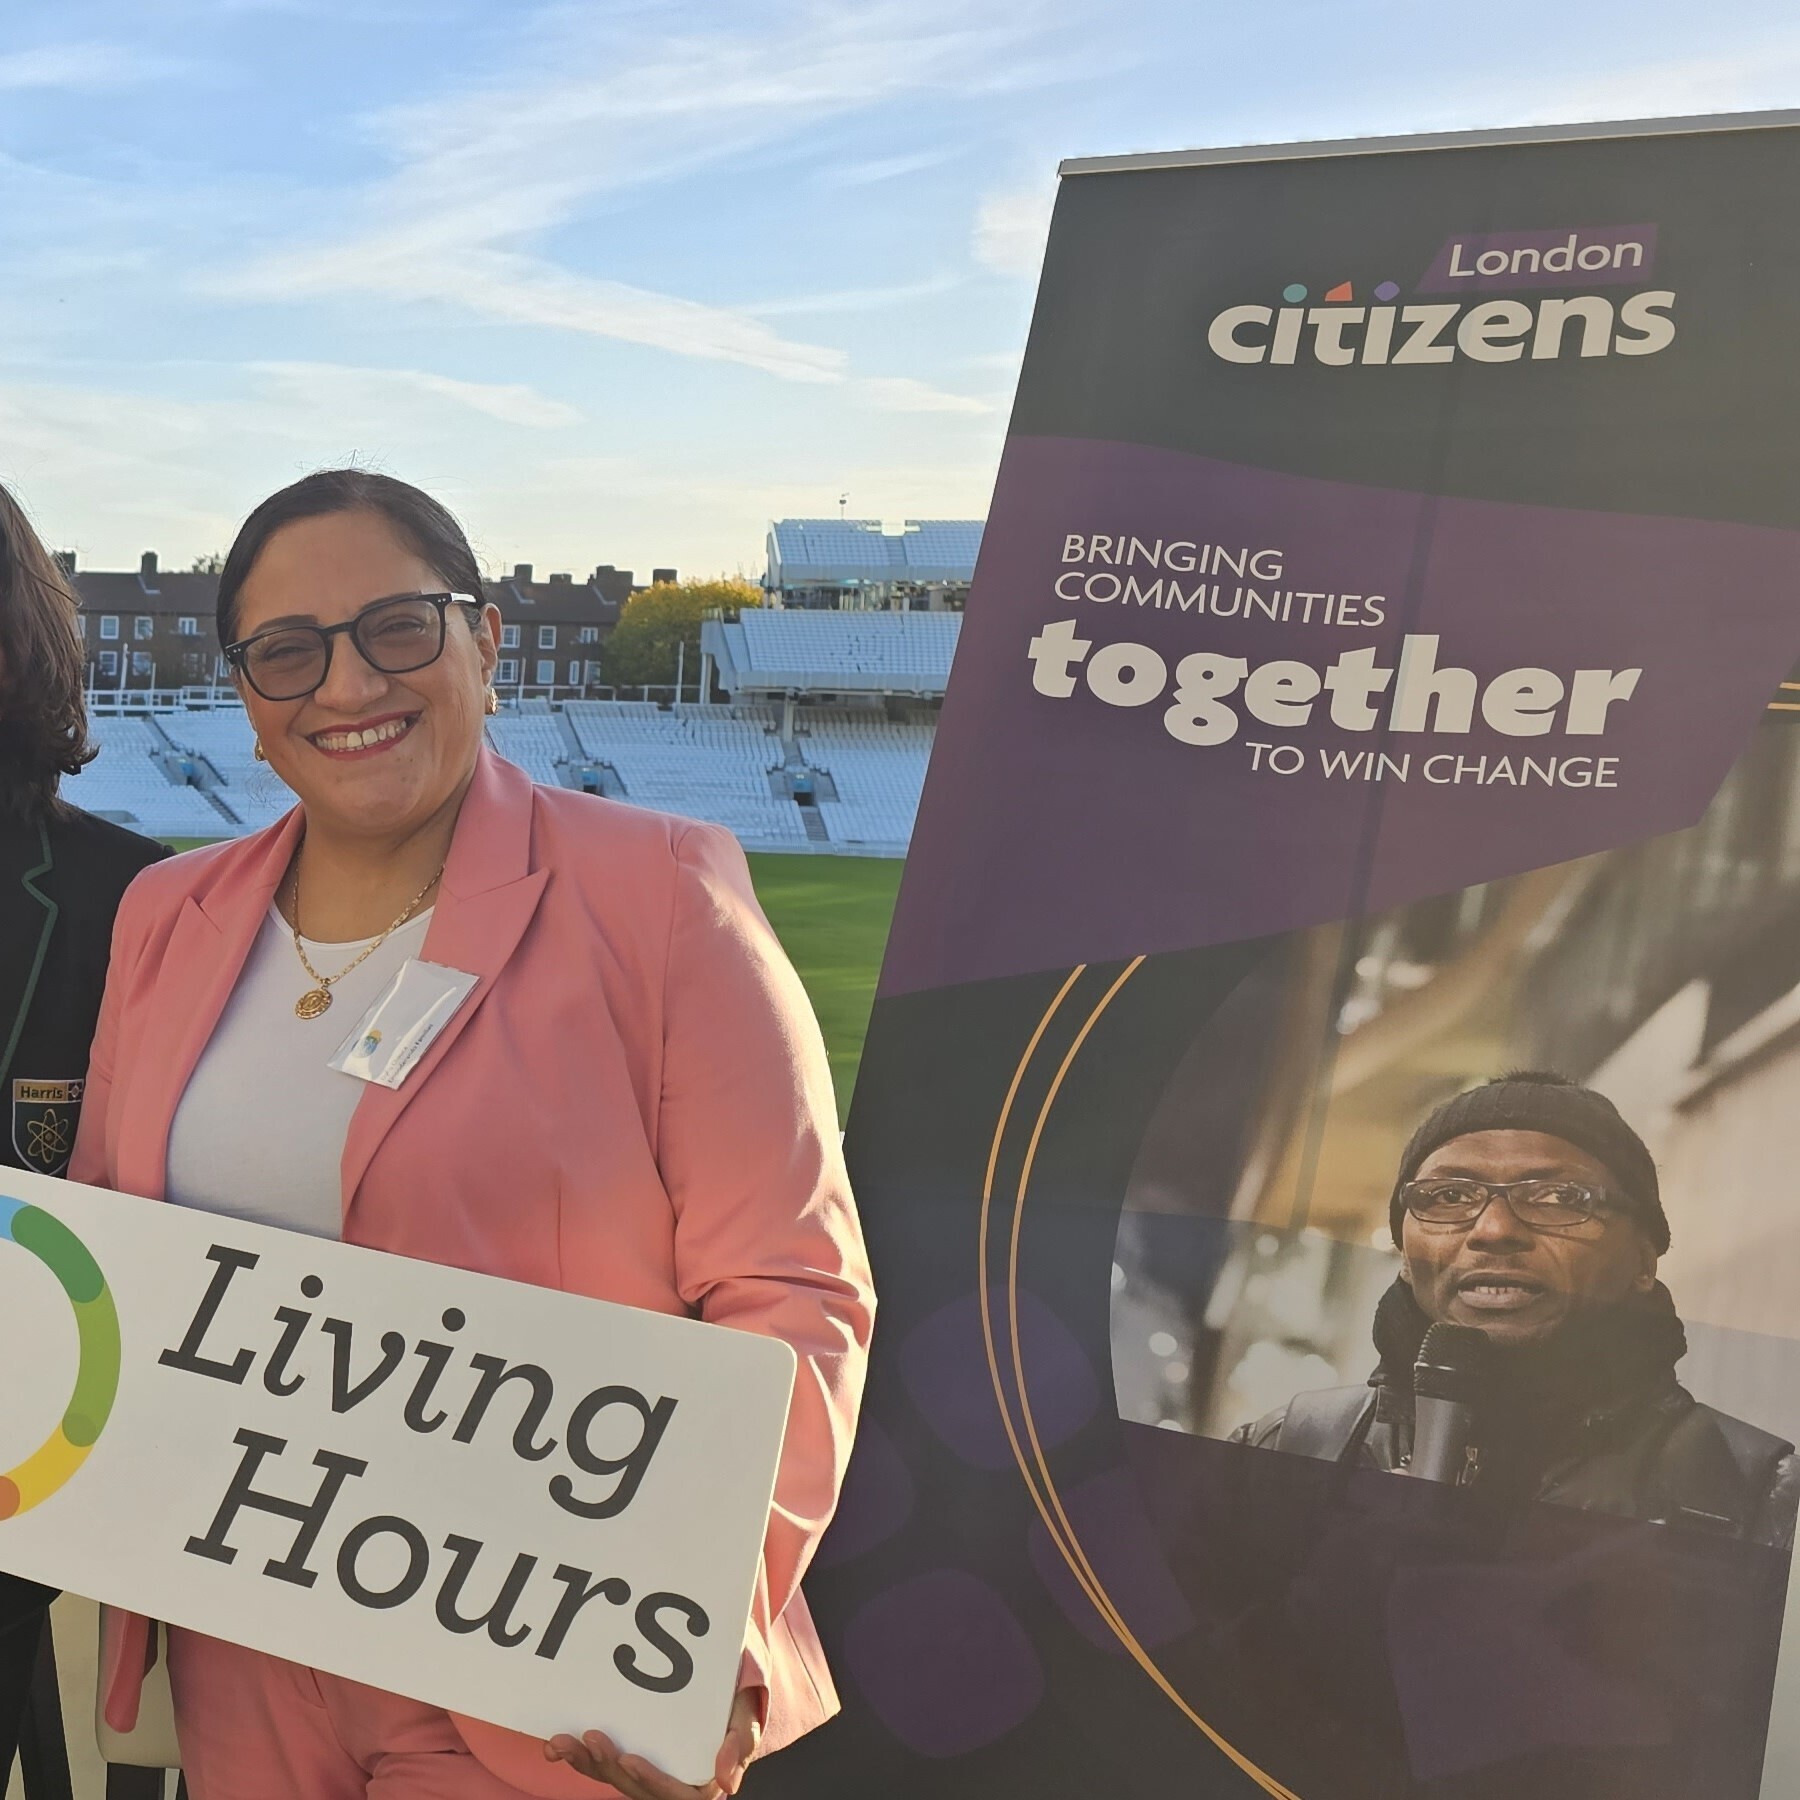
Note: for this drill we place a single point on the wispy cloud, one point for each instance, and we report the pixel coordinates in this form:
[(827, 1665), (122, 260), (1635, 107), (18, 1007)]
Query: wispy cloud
[(1758, 71), (719, 513), (525, 290), (110, 472), (1010, 229), (1030, 74), (854, 300), (83, 455), (901, 394), (539, 138), (884, 168), (466, 241), (1767, 75), (348, 391), (481, 177), (84, 68)]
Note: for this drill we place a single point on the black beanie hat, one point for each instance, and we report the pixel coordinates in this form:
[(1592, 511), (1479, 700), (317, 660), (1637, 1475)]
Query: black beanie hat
[(1537, 1100)]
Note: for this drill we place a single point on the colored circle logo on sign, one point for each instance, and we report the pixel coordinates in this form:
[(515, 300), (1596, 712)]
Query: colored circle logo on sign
[(97, 1371)]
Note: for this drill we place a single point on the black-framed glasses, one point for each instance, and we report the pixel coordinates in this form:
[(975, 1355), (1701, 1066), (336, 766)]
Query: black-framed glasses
[(397, 635), (1541, 1205)]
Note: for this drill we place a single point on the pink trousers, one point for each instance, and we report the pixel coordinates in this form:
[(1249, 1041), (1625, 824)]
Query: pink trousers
[(252, 1727)]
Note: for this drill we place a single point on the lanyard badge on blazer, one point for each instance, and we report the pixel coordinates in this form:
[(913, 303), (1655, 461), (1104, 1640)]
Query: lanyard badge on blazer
[(394, 1034)]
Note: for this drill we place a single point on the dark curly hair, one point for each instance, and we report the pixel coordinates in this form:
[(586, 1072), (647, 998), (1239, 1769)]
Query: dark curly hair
[(43, 717)]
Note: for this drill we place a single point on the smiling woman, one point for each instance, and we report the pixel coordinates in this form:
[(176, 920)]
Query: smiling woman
[(380, 745), (671, 1141)]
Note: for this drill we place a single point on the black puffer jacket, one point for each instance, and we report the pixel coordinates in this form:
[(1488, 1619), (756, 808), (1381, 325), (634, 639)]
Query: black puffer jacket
[(1594, 1419)]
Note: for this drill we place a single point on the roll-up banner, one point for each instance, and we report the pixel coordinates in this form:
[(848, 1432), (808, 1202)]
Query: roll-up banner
[(1330, 1131)]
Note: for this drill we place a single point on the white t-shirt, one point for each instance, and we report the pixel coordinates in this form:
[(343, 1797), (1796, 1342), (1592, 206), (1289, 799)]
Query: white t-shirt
[(260, 1130)]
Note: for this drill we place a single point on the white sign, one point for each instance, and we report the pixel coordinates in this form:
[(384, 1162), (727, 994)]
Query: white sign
[(521, 1505)]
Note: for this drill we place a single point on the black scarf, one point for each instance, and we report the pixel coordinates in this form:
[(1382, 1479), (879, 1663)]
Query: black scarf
[(1601, 1358)]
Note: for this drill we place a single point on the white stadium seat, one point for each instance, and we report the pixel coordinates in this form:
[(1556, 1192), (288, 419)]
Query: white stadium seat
[(877, 768), (255, 794), (531, 740), (910, 649), (193, 774), (705, 762), (125, 783)]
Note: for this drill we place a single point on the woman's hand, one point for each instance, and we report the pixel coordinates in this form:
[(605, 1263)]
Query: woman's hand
[(596, 1755)]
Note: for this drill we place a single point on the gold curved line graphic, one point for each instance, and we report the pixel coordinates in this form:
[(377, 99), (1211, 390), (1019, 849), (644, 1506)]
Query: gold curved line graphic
[(1062, 1533), (1085, 1574), (1043, 1024), (987, 1191), (1096, 1594)]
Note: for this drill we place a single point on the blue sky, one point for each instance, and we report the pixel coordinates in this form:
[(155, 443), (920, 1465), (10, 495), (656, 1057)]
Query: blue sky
[(621, 280)]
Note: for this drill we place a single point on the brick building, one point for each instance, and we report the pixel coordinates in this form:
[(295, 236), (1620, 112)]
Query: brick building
[(551, 631), (152, 630)]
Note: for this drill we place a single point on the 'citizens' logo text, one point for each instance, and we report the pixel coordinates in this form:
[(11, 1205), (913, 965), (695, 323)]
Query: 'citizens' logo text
[(1465, 325), (1440, 331)]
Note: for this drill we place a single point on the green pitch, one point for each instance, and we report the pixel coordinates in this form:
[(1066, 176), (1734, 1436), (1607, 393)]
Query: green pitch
[(831, 914)]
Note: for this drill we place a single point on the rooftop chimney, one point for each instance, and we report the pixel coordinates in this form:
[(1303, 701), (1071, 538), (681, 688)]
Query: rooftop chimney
[(147, 565), (522, 574), (661, 575), (65, 560)]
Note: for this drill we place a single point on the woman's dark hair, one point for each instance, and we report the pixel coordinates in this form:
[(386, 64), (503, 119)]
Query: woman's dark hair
[(427, 526), (43, 718)]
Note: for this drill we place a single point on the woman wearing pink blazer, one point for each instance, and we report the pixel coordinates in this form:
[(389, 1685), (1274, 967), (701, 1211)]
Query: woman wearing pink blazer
[(633, 1103)]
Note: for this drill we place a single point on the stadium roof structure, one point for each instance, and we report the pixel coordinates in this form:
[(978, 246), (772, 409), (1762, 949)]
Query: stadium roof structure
[(817, 553), (776, 651)]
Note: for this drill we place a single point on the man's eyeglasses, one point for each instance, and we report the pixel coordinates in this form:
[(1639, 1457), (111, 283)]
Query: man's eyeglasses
[(396, 636), (1541, 1205)]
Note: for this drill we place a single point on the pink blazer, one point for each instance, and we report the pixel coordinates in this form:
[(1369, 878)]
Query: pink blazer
[(634, 1104)]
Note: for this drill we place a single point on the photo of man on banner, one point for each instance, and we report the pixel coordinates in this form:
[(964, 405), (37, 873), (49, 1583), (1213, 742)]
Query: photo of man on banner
[(1528, 1211)]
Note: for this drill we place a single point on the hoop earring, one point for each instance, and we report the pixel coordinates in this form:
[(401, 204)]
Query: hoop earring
[(491, 704), (259, 752)]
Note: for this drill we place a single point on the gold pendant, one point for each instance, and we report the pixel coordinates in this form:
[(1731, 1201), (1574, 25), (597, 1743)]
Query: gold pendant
[(312, 1003)]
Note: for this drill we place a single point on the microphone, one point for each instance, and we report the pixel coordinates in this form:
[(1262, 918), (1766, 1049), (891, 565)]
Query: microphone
[(1449, 1380)]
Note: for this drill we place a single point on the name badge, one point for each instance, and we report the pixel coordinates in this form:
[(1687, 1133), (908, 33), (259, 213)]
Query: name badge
[(44, 1116), (401, 1026)]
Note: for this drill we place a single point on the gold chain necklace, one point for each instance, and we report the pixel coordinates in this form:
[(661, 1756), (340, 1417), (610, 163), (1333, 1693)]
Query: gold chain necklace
[(317, 999)]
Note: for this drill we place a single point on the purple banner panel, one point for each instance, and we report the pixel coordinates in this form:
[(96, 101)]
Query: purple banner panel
[(1196, 702)]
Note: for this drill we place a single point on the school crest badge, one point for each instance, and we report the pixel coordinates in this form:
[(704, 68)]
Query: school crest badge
[(44, 1116)]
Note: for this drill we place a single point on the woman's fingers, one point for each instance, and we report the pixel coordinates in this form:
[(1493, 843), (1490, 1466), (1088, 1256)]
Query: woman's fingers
[(597, 1757), (658, 1786), (741, 1735), (565, 1749), (739, 1746)]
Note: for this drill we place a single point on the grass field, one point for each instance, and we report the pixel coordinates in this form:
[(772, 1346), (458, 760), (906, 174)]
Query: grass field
[(831, 914)]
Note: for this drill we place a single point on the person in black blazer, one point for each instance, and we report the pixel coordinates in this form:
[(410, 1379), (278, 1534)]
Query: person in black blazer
[(62, 873)]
